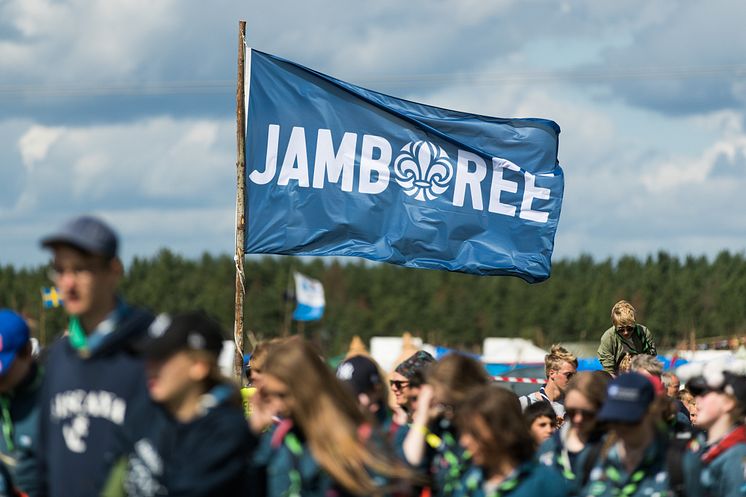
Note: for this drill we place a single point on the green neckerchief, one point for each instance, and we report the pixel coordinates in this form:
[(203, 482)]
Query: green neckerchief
[(78, 337), (7, 423), (296, 450), (505, 487)]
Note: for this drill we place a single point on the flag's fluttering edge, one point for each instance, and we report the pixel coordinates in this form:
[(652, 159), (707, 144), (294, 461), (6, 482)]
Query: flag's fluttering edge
[(335, 169), (50, 296), (309, 295)]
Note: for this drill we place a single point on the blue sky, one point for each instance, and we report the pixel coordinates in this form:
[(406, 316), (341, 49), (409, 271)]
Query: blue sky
[(126, 108)]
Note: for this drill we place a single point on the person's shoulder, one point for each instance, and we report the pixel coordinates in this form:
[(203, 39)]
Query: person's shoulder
[(734, 453), (545, 452), (609, 333), (547, 480)]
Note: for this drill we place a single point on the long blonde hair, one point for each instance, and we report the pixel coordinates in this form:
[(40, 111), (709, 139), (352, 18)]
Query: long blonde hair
[(329, 418)]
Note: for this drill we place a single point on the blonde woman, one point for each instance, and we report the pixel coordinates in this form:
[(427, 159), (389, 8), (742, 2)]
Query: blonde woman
[(324, 443)]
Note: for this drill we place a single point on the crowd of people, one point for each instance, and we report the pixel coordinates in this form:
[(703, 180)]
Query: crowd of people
[(127, 403)]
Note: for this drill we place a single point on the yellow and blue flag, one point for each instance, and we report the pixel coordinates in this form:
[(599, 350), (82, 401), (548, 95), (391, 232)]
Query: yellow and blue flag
[(50, 296)]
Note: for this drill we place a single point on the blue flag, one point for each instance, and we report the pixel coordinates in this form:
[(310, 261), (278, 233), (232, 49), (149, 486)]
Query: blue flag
[(309, 297), (335, 169)]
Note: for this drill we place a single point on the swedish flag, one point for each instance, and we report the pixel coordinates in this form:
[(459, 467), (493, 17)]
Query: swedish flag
[(51, 297)]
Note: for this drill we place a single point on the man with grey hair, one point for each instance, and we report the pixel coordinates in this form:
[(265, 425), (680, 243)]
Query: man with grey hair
[(647, 365), (671, 383)]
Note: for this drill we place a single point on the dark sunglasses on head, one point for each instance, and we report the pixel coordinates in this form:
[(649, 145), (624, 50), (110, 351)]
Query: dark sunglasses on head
[(398, 384), (586, 413)]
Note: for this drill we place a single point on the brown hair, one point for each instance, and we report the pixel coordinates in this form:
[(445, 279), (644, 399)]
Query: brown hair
[(457, 374), (215, 376), (590, 385), (501, 411), (329, 417)]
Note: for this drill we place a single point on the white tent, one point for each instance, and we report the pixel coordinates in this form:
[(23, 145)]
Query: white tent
[(511, 351)]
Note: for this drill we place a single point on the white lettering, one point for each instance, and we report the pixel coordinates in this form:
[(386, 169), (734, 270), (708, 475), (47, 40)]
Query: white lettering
[(333, 165), (369, 164), (118, 409), (270, 163), (530, 192), (295, 153), (473, 179), (499, 184)]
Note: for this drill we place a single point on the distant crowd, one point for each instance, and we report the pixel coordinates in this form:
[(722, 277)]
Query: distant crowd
[(126, 403)]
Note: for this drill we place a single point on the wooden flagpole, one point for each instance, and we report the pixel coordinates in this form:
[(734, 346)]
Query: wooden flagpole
[(240, 203)]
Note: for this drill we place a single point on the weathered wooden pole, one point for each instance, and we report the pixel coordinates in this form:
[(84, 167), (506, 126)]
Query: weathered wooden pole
[(240, 202)]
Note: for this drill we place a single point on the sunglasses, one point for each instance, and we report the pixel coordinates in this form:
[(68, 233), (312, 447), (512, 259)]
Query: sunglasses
[(587, 414), (625, 328), (398, 384)]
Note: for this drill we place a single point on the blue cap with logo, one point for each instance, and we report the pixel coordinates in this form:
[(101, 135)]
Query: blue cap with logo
[(628, 397), (14, 335), (86, 233)]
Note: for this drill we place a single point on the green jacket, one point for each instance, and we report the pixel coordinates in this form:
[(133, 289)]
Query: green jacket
[(613, 347)]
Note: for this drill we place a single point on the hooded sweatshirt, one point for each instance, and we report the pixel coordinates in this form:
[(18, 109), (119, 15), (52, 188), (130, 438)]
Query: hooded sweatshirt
[(208, 455), (85, 400)]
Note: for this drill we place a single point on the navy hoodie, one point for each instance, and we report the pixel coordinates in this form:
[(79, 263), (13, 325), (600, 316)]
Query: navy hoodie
[(206, 456), (84, 403)]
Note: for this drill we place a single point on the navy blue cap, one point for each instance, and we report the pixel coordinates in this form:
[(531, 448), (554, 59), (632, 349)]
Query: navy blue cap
[(14, 335), (193, 330), (628, 397), (360, 373), (86, 233)]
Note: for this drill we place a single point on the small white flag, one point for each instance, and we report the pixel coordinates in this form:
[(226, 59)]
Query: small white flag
[(309, 294)]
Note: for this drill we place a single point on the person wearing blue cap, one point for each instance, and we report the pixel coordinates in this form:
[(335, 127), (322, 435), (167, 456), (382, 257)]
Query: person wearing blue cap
[(20, 383), (94, 377), (638, 458)]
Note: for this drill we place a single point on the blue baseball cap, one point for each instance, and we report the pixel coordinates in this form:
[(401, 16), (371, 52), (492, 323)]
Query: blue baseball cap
[(85, 233), (14, 335), (628, 397)]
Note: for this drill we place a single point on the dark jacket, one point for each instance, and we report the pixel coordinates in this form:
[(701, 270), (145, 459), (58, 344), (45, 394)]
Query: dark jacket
[(19, 415), (531, 479), (84, 402), (207, 456)]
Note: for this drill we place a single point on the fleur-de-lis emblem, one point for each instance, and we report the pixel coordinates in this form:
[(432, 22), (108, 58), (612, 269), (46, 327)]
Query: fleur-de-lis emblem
[(423, 170)]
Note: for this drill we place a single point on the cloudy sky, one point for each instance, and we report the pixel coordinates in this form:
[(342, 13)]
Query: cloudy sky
[(126, 108)]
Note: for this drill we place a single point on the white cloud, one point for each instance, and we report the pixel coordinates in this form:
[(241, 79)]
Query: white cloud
[(35, 143), (681, 170), (189, 161)]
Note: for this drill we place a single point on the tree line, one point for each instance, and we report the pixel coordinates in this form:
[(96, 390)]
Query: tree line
[(676, 298)]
